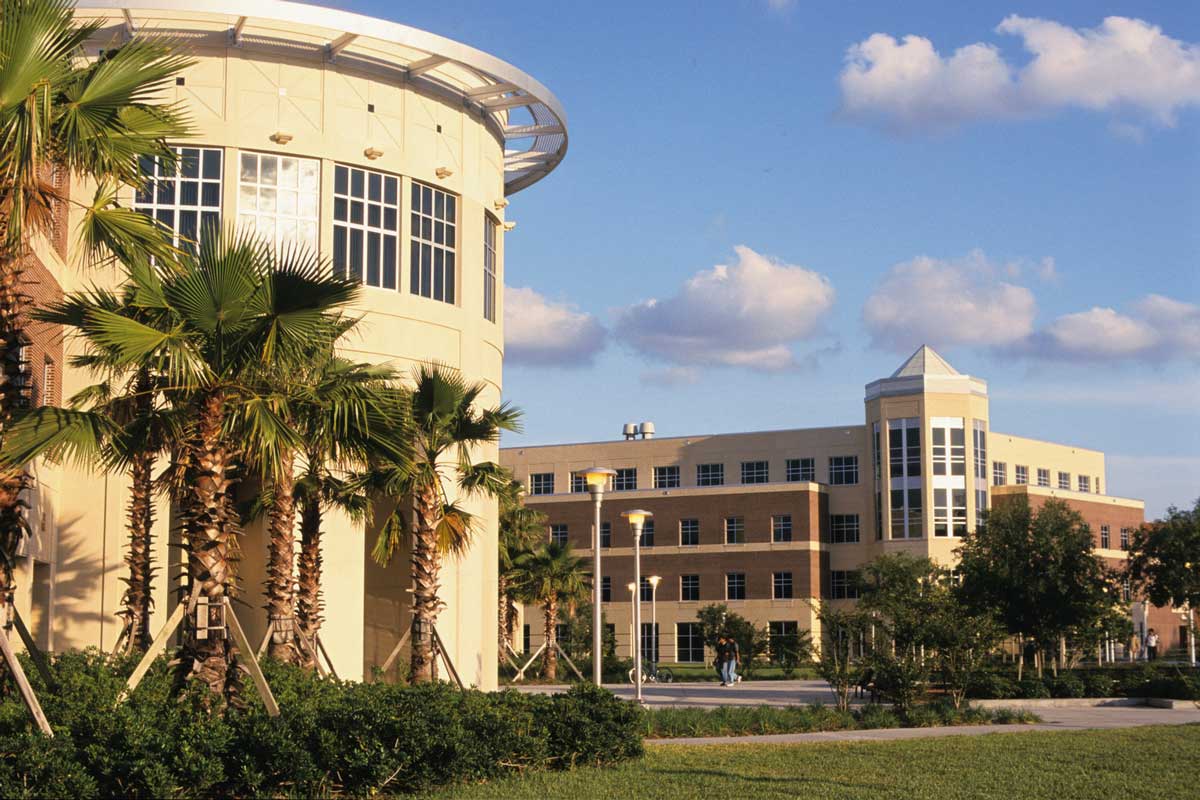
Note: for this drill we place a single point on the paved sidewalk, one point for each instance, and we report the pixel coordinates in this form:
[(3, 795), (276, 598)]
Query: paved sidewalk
[(711, 695), (1054, 719)]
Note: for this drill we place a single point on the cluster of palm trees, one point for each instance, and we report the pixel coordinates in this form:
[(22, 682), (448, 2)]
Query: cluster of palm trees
[(534, 570), (220, 359)]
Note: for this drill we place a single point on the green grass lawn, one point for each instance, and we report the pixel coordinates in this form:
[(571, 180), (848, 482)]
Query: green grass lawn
[(1156, 762)]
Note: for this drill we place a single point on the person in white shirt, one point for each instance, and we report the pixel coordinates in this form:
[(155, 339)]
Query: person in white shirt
[(1152, 645)]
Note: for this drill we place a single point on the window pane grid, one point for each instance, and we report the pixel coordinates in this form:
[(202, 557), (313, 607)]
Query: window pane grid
[(184, 196), (781, 528), (755, 472), (689, 532), (843, 470), (278, 199), (843, 528), (432, 269), (489, 268), (366, 210)]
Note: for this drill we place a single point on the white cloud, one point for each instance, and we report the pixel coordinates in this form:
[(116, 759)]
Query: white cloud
[(1158, 329), (748, 314), (671, 376), (540, 332), (1125, 66), (781, 6), (942, 303)]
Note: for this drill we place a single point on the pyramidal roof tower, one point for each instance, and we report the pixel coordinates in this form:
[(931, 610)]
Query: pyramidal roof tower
[(925, 371)]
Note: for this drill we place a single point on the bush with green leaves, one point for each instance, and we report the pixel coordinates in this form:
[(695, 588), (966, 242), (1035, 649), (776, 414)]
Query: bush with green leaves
[(1032, 689), (332, 738), (1067, 685)]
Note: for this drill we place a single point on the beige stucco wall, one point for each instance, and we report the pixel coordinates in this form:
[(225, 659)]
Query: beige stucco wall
[(238, 98)]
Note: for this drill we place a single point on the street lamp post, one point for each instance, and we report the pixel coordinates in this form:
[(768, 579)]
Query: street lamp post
[(633, 587), (654, 581), (597, 479), (637, 519)]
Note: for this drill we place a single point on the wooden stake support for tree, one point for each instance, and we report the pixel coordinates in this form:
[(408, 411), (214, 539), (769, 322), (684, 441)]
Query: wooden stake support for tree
[(439, 649), (567, 659), (512, 656), (35, 653), (230, 626), (392, 656), (520, 676), (314, 647), (31, 701)]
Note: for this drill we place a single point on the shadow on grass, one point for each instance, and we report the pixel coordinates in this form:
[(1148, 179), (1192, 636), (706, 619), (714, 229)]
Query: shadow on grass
[(795, 781)]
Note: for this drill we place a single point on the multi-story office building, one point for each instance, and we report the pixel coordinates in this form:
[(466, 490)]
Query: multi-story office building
[(768, 522), (392, 152)]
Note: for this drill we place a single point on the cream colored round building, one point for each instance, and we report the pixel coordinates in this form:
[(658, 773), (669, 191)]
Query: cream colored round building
[(392, 151)]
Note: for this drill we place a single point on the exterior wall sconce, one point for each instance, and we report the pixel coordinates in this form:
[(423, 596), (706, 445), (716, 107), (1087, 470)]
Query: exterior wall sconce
[(443, 172), (372, 154), (279, 137), (501, 204), (510, 225)]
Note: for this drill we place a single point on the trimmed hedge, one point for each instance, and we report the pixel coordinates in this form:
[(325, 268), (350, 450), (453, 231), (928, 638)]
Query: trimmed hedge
[(1137, 680), (333, 738)]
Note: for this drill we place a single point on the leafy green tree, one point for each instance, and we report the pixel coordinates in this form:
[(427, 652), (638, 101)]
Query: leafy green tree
[(964, 641), (444, 425), (1164, 561), (62, 116), (521, 529), (840, 630), (553, 577), (789, 650), (717, 620), (1036, 570), (577, 638)]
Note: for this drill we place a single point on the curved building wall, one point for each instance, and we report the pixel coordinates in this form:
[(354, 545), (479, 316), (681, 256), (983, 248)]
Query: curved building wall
[(398, 184)]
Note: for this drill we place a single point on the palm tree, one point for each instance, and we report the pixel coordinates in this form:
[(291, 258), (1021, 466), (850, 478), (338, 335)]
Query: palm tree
[(444, 425), (61, 117), (521, 529), (222, 325), (552, 575)]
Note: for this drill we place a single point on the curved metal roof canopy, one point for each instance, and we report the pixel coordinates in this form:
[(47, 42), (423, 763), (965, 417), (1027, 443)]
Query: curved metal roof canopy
[(491, 87)]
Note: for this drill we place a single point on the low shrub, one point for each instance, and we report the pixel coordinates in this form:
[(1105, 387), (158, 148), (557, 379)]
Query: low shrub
[(992, 685), (332, 738), (1098, 684), (1032, 689), (1067, 685), (877, 716)]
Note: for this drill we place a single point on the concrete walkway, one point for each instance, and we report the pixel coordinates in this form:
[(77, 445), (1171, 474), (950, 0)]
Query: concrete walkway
[(712, 695), (1054, 719)]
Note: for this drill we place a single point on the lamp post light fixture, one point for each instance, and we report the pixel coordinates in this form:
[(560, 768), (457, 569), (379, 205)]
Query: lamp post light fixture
[(654, 580), (633, 640), (597, 479), (637, 519)]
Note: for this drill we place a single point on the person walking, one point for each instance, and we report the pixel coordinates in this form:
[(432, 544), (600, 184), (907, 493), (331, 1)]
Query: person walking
[(1152, 645), (729, 656)]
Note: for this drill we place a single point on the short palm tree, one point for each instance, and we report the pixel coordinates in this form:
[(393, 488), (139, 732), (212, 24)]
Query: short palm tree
[(521, 530), (552, 576), (221, 325), (63, 117), (443, 425)]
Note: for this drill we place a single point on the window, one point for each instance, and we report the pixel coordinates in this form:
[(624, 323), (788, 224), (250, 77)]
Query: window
[(1085, 483), (525, 638), (606, 589), (1097, 482), (843, 470), (1043, 476), (1105, 537), (647, 589), (800, 469), (541, 483), (278, 197), (558, 534), (650, 642), (904, 477), (47, 388), (625, 480), (1124, 538), (689, 643), (434, 220), (1064, 480), (366, 226), (710, 474), (606, 534), (843, 528), (735, 586), (184, 196), (666, 477), (999, 473), (754, 472), (578, 484), (843, 585), (979, 442), (781, 528), (781, 585), (689, 532), (489, 267), (781, 629), (689, 587), (735, 530), (1126, 590), (1022, 476), (950, 512), (648, 533)]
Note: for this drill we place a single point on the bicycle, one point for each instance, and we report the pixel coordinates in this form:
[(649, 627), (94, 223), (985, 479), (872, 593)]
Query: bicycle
[(653, 673)]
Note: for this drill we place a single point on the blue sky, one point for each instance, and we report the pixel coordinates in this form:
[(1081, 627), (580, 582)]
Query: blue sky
[(1049, 175)]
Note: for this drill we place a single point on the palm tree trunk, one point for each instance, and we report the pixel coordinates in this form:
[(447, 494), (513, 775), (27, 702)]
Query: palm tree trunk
[(13, 526), (208, 652), (138, 600), (281, 558), (308, 599), (550, 657), (425, 568), (505, 634)]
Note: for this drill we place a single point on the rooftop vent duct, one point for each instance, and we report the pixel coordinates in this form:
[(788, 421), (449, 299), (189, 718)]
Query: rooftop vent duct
[(647, 430), (630, 431)]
